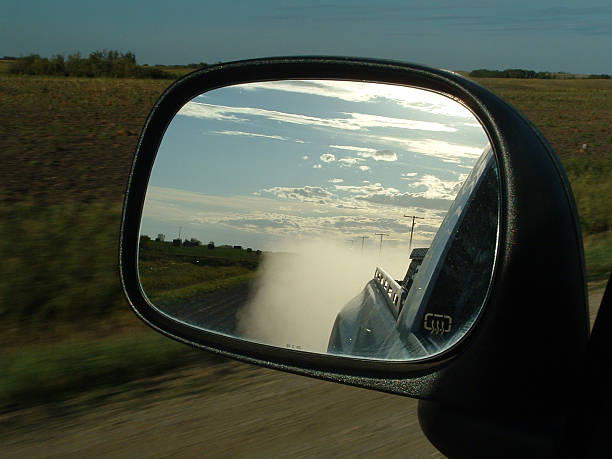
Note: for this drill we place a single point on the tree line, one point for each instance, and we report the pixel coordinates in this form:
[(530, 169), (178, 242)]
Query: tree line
[(113, 64), (522, 73)]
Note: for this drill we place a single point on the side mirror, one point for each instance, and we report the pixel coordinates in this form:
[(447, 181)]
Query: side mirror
[(379, 224)]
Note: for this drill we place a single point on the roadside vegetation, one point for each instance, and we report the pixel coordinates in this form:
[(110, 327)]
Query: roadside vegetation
[(172, 273), (523, 73), (66, 146), (112, 64)]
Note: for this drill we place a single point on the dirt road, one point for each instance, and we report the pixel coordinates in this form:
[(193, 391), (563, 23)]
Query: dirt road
[(228, 410)]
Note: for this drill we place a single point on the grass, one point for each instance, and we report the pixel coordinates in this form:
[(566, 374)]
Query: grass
[(598, 257), (161, 275), (195, 292), (171, 274), (59, 261), (66, 146), (576, 117), (38, 374)]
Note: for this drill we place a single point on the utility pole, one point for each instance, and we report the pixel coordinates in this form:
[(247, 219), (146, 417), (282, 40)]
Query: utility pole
[(363, 238), (414, 217), (380, 246), (180, 228)]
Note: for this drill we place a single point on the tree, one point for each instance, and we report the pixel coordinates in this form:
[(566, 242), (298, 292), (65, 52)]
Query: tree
[(145, 241), (211, 245), (160, 237)]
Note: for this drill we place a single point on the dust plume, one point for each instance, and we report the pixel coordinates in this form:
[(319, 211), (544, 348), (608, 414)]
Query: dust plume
[(302, 287)]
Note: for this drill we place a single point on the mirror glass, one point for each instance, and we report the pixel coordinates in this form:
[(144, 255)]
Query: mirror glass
[(349, 218)]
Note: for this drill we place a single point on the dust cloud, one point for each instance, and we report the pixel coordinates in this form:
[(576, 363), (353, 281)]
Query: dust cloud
[(302, 287)]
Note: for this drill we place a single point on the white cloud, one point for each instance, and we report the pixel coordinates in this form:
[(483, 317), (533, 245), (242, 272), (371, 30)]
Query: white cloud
[(364, 168), (379, 155), (300, 194), (350, 161), (317, 166), (352, 148), (208, 111), (305, 157), (409, 175), (286, 212), (365, 152), (367, 120), (351, 122), (434, 188), (327, 157), (221, 112), (249, 134), (353, 91), (336, 180), (369, 189), (436, 148)]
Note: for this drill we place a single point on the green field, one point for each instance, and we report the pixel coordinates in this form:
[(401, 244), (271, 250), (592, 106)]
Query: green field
[(173, 274), (66, 146)]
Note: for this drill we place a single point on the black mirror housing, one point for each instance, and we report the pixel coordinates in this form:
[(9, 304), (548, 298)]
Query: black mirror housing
[(526, 351)]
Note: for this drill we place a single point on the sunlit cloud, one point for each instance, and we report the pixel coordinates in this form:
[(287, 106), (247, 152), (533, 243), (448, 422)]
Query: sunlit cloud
[(336, 180), (366, 152), (436, 148), (327, 157), (249, 134), (380, 155), (364, 168), (305, 157), (300, 194), (208, 111), (350, 121), (368, 189), (353, 148), (350, 161), (366, 120), (292, 212), (221, 112), (409, 175), (434, 188), (317, 166), (352, 91)]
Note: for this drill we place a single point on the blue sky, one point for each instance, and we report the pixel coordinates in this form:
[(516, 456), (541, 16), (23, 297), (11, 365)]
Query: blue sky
[(542, 35), (266, 164)]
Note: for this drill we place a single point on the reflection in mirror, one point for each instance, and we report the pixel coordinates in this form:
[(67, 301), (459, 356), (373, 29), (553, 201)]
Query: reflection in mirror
[(351, 218)]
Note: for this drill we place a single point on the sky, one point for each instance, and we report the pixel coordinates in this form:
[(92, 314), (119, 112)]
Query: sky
[(265, 165), (543, 35)]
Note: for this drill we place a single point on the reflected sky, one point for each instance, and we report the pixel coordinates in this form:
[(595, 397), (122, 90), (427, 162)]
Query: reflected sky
[(261, 164)]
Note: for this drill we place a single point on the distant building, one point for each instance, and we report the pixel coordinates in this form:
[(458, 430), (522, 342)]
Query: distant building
[(160, 237), (177, 242)]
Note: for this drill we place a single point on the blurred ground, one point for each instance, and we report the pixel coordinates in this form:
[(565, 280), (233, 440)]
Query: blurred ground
[(66, 146), (225, 409), (230, 409)]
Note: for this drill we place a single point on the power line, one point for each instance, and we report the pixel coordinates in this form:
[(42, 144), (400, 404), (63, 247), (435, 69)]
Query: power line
[(414, 217), (381, 236), (363, 238)]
